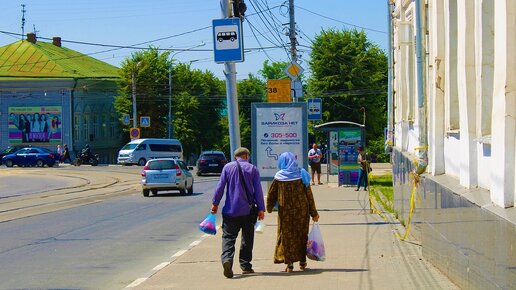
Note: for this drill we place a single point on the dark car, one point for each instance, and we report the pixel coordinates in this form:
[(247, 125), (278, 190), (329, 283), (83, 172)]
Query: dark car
[(31, 156), (9, 150), (211, 162)]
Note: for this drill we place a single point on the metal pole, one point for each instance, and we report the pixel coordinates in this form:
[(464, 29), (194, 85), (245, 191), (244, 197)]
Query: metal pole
[(170, 134), (169, 127), (134, 97), (231, 91)]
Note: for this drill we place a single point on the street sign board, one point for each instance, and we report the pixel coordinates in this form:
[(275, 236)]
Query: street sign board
[(297, 90), (126, 119), (278, 91), (277, 128), (294, 70), (145, 121), (228, 44), (315, 109), (134, 133)]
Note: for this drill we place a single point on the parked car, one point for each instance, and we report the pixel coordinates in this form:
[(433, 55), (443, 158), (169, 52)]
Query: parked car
[(31, 156), (166, 174), (211, 162), (9, 150)]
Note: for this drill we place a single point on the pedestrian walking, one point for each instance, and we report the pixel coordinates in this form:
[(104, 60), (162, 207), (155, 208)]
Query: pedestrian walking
[(60, 153), (244, 190), (364, 168), (314, 159), (66, 154), (291, 190)]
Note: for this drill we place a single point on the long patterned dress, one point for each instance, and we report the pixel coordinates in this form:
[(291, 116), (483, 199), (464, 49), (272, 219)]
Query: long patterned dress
[(295, 207)]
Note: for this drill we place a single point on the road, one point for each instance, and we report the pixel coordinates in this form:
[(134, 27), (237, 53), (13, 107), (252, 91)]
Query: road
[(98, 232)]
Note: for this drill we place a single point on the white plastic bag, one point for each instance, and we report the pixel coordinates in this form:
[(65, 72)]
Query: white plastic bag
[(259, 227), (315, 245)]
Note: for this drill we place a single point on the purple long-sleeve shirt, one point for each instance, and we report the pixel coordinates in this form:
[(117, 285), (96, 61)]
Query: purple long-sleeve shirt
[(237, 203)]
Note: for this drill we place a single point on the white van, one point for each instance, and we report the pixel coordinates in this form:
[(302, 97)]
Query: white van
[(139, 151)]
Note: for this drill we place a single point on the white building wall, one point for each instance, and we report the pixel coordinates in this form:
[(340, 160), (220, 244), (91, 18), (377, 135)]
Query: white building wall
[(470, 92)]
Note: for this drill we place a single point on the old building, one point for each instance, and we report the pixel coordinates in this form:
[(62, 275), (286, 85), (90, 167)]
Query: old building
[(453, 112), (52, 95)]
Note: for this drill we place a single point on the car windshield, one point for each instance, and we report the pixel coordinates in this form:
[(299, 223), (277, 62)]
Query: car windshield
[(129, 146), (213, 157), (162, 164)]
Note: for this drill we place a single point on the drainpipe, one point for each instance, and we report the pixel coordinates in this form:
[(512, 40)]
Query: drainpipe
[(390, 118), (422, 160)]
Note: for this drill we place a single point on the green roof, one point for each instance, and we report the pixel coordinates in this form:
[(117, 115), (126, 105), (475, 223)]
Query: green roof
[(45, 60)]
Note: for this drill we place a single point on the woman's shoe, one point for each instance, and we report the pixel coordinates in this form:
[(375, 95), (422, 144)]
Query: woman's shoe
[(289, 269), (302, 266), (357, 189)]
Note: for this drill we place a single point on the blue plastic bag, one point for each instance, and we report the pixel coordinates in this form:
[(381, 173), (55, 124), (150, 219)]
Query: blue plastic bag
[(315, 245), (208, 225)]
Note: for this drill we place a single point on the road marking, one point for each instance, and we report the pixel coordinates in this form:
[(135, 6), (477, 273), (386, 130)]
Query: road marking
[(164, 264)]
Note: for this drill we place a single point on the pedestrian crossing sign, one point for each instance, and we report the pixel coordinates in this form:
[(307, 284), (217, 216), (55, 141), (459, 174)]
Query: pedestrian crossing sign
[(145, 121)]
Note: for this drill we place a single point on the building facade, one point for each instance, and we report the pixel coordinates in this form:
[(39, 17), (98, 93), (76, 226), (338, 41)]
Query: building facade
[(51, 95), (452, 118)]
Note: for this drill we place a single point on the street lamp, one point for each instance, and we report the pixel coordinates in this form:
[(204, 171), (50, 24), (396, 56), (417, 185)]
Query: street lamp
[(169, 120), (133, 80)]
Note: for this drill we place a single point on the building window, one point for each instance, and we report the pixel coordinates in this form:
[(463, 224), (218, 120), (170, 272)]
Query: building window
[(85, 127), (76, 130)]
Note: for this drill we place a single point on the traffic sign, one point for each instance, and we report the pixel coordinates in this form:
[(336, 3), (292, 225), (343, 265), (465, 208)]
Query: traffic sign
[(294, 70), (145, 121), (134, 133), (125, 119), (278, 91), (314, 109), (228, 44)]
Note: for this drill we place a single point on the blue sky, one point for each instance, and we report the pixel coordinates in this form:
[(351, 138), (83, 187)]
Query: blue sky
[(184, 24)]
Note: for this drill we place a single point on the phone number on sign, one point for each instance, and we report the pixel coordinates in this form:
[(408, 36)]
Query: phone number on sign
[(283, 135)]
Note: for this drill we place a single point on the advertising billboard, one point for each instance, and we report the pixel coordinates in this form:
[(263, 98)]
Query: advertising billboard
[(38, 124)]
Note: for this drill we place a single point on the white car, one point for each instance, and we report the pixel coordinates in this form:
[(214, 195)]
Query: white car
[(166, 174)]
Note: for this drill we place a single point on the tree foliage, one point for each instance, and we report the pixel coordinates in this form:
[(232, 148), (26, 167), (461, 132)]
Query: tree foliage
[(274, 71), (196, 99), (350, 73)]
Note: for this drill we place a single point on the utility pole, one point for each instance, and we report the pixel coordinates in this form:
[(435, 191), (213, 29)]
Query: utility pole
[(23, 21), (231, 89), (292, 31)]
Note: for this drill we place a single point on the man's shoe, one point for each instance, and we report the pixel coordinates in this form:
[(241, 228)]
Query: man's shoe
[(228, 272), (248, 271)]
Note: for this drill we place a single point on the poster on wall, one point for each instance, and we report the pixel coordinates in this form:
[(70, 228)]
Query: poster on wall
[(38, 124), (349, 140)]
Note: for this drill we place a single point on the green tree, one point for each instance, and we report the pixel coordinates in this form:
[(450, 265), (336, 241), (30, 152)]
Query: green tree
[(350, 74), (149, 68), (274, 71)]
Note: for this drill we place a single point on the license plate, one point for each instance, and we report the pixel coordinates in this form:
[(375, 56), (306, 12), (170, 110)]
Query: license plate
[(160, 176), (213, 165)]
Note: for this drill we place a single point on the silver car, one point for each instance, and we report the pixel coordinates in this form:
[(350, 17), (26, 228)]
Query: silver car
[(166, 174)]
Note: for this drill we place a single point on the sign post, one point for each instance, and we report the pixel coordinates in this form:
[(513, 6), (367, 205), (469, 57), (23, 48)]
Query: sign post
[(277, 128)]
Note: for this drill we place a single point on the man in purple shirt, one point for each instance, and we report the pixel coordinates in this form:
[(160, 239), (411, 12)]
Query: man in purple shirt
[(236, 210)]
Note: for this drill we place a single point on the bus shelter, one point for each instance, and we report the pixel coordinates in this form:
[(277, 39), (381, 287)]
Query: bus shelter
[(343, 139)]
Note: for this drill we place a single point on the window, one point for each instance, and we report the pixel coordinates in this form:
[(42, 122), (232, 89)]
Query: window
[(165, 147)]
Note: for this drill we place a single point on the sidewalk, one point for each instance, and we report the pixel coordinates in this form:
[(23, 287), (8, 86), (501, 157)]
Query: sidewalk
[(361, 253)]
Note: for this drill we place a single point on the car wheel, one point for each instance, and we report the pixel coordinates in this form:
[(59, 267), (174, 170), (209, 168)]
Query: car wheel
[(142, 162), (40, 163), (9, 163), (190, 189), (154, 192), (182, 191), (199, 173), (145, 192)]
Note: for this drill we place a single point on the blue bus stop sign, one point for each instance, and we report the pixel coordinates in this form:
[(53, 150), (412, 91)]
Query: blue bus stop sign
[(228, 44)]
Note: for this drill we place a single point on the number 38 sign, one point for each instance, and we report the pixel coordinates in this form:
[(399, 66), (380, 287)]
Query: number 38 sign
[(278, 91)]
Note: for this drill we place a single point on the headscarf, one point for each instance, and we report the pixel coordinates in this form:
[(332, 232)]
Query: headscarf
[(289, 169)]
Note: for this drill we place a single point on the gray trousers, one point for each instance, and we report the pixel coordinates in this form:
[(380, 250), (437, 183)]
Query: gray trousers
[(231, 226)]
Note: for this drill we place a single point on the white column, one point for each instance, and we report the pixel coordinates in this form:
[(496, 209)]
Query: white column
[(504, 105), (436, 87), (467, 92)]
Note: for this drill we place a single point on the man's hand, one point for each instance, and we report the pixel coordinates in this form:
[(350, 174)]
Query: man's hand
[(214, 208), (315, 218), (261, 215)]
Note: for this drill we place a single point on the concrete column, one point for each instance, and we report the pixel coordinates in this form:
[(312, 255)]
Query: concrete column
[(504, 105), (466, 80), (450, 90), (436, 87)]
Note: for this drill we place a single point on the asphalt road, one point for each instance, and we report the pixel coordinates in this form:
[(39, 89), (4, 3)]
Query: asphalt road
[(97, 233)]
